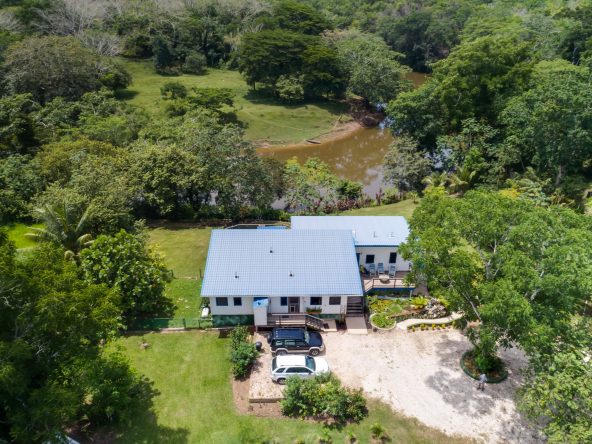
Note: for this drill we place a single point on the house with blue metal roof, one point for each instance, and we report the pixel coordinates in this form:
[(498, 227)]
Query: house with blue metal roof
[(376, 240), (256, 276), (322, 265)]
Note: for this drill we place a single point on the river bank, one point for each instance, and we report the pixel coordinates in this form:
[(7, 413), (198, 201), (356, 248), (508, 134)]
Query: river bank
[(341, 130)]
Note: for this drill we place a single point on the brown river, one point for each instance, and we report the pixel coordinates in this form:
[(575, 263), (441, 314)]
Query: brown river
[(356, 156)]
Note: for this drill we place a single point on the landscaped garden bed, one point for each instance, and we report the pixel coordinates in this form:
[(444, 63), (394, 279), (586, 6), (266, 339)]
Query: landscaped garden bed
[(385, 313), (497, 374)]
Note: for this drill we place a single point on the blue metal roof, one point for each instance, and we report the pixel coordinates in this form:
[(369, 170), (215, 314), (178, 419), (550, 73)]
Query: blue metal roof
[(383, 231), (281, 263)]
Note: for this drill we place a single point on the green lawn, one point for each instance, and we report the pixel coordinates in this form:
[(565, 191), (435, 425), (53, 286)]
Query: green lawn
[(185, 294), (184, 251), (192, 373), (404, 208), (16, 233), (267, 119)]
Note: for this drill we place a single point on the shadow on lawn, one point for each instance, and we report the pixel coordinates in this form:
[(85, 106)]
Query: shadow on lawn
[(143, 426), (263, 96)]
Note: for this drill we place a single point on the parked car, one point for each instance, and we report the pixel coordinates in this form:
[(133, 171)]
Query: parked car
[(295, 340), (284, 367)]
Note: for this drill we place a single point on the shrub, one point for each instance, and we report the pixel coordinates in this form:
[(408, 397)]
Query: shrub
[(419, 302), (323, 396), (391, 195), (378, 431), (290, 88), (243, 353), (382, 320), (195, 63), (173, 90)]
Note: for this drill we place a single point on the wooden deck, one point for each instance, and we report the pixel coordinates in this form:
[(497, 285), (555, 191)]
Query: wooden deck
[(383, 282)]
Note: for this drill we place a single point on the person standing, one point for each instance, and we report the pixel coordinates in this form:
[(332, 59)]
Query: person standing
[(482, 381)]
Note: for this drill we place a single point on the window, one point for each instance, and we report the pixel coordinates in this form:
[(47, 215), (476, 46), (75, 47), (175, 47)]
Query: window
[(283, 302), (369, 258), (222, 302), (393, 258), (238, 302), (316, 300), (335, 300)]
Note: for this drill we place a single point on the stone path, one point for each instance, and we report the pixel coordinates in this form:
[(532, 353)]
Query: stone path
[(409, 322)]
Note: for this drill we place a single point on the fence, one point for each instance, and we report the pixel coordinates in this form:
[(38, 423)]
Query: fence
[(162, 323)]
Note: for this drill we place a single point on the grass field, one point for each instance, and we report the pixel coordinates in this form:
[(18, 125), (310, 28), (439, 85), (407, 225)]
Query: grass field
[(17, 232), (184, 251), (195, 405), (267, 120), (404, 208)]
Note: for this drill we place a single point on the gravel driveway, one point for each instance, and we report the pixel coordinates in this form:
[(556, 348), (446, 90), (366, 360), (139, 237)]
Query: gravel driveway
[(419, 374)]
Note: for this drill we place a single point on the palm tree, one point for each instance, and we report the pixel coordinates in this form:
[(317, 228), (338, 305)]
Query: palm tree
[(436, 180), (461, 180), (64, 226)]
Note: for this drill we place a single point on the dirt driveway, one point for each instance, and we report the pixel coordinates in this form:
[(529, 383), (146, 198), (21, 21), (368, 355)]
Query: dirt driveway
[(419, 375)]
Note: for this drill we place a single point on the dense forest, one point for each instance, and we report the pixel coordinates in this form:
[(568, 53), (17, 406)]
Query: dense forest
[(503, 122)]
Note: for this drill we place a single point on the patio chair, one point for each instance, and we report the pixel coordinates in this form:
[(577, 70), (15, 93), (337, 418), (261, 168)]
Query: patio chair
[(371, 269), (392, 270), (380, 268)]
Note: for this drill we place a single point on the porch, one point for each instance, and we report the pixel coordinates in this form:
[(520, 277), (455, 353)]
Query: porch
[(387, 282)]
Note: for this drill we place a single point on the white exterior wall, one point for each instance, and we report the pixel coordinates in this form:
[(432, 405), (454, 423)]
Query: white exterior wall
[(325, 307), (245, 309), (381, 254), (274, 306)]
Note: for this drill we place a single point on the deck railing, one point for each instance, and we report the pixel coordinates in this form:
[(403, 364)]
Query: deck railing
[(296, 319), (393, 283)]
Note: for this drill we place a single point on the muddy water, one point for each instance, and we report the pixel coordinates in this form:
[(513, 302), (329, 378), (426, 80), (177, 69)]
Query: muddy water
[(357, 156)]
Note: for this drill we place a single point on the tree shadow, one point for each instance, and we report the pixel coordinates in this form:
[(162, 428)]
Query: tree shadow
[(141, 425), (460, 390), (266, 97), (126, 94)]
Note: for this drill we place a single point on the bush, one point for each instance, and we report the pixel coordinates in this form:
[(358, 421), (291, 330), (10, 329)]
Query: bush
[(391, 196), (323, 396), (290, 88), (243, 353), (195, 63), (173, 90)]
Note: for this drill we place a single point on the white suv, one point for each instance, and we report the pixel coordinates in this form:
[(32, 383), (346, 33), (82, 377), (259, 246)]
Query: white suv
[(284, 367)]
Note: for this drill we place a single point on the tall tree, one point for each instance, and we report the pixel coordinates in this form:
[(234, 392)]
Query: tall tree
[(518, 269), (475, 81), (52, 369), (372, 69), (65, 226), (552, 121), (125, 262), (49, 67), (405, 165)]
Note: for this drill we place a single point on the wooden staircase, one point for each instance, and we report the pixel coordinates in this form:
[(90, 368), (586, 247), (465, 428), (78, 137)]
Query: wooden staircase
[(355, 306), (295, 320)]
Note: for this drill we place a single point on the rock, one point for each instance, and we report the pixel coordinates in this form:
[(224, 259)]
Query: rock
[(434, 309)]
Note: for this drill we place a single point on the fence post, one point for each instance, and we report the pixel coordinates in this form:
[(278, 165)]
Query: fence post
[(184, 324)]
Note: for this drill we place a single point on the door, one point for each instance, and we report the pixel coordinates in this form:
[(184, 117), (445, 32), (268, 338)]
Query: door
[(294, 305)]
